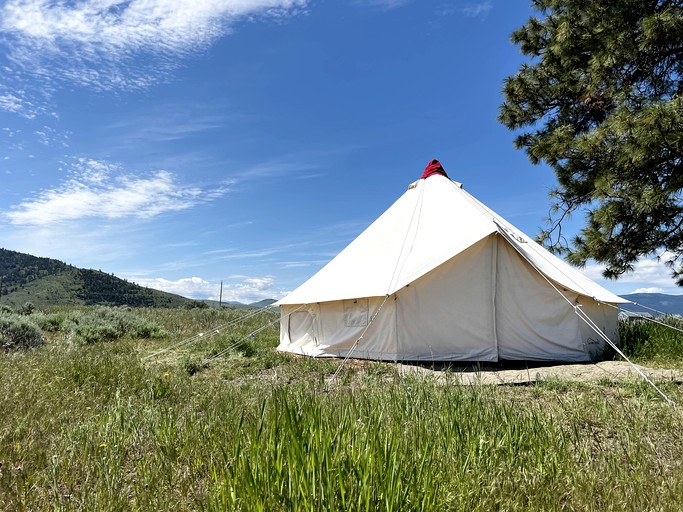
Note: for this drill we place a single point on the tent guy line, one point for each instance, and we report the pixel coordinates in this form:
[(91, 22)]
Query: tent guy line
[(355, 344), (585, 318), (206, 335), (581, 314), (394, 276), (239, 342), (653, 320)]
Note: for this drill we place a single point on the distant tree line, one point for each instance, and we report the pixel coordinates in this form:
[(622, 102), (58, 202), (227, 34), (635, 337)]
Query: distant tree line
[(18, 269), (100, 288)]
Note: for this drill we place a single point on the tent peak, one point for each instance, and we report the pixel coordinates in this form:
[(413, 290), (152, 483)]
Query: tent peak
[(433, 167)]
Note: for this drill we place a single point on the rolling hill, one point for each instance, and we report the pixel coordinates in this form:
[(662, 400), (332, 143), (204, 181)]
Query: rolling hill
[(49, 282)]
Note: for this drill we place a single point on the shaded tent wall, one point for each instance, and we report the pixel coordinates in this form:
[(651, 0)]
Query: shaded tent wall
[(485, 304)]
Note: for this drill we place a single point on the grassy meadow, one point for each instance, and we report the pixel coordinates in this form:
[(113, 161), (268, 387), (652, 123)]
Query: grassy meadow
[(228, 423)]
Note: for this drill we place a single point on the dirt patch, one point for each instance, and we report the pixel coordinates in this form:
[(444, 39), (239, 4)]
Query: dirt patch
[(585, 372)]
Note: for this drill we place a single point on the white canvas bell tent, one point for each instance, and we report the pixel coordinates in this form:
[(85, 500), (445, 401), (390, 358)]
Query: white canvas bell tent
[(441, 277)]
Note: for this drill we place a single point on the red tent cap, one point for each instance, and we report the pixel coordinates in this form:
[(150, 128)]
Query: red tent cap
[(434, 167)]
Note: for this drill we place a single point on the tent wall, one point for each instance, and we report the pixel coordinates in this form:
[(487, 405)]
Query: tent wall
[(447, 314), (533, 321)]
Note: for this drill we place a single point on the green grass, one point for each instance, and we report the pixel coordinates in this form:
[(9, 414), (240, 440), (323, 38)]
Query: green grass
[(91, 426), (653, 344)]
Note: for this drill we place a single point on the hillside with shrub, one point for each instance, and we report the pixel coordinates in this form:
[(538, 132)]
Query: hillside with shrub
[(48, 282)]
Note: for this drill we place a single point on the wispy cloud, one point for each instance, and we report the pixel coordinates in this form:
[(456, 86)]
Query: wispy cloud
[(97, 43), (290, 166), (385, 5), (471, 10), (304, 263), (168, 123), (11, 103), (49, 136), (97, 189), (480, 9)]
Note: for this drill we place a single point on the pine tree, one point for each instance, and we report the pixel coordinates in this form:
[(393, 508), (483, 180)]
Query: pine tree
[(601, 103)]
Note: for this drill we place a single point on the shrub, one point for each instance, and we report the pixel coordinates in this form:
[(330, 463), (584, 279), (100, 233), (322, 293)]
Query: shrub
[(95, 332), (19, 333), (246, 348), (192, 365), (50, 322), (27, 309), (108, 324), (196, 304)]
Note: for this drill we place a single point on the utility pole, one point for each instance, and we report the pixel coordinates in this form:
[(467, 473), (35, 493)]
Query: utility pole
[(220, 298), (0, 288)]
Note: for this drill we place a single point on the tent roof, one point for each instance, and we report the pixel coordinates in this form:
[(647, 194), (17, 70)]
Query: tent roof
[(433, 221)]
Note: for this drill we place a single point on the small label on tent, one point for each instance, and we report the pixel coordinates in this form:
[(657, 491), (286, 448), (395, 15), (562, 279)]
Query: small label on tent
[(514, 236)]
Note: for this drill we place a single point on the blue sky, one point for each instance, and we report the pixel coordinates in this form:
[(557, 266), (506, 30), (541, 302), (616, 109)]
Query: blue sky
[(179, 143)]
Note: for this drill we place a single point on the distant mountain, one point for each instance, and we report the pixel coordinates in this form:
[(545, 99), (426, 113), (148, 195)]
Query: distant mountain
[(672, 304), (49, 282), (263, 303), (232, 304)]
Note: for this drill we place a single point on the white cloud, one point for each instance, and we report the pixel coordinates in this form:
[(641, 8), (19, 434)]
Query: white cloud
[(17, 102), (193, 287), (472, 10), (303, 264), (385, 5), (10, 103), (93, 43), (476, 10), (237, 289), (49, 136), (653, 289), (648, 274), (168, 122), (99, 189)]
